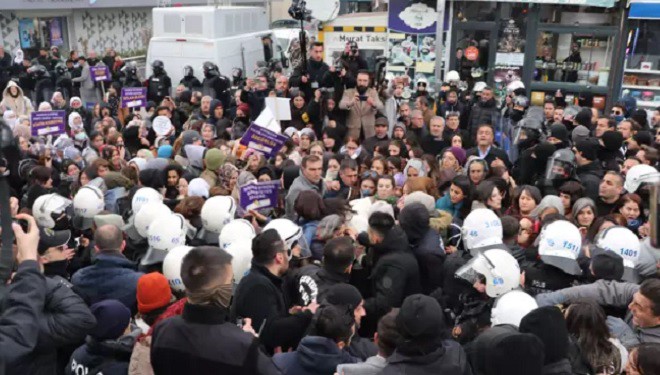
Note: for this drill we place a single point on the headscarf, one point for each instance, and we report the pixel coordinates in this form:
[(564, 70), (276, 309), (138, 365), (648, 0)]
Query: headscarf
[(224, 175), (45, 106), (72, 118), (580, 204), (417, 164)]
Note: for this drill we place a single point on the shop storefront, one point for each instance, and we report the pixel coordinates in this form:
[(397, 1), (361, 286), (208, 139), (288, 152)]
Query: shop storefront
[(641, 75), (549, 46)]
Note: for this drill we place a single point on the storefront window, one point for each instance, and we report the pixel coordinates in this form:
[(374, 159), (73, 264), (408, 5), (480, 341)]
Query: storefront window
[(36, 33), (575, 15), (475, 11), (642, 70), (573, 57)]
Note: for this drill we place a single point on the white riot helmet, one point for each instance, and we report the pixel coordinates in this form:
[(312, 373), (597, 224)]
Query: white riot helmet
[(624, 242), (292, 235), (236, 230), (143, 196), (172, 267), (479, 86), (511, 308), (48, 207), (481, 228), (241, 257), (88, 202), (217, 212), (147, 214), (559, 245), (638, 175), (515, 85), (496, 268), (452, 76), (165, 233)]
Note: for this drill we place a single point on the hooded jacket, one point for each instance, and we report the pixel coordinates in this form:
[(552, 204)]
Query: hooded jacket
[(483, 113), (299, 184), (112, 276), (394, 275), (448, 358), (314, 356), (590, 176), (425, 244), (21, 105), (108, 357)]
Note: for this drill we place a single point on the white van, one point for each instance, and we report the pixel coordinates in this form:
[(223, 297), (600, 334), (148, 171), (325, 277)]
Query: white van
[(229, 36)]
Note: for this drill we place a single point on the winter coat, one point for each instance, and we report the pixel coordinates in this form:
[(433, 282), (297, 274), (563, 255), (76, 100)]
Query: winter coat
[(112, 276), (89, 93), (449, 358), (434, 145), (607, 293), (20, 105), (361, 115), (318, 72), (301, 183), (590, 176), (20, 327), (394, 275), (444, 203), (65, 321), (483, 113), (312, 282), (259, 296), (427, 246), (493, 153), (372, 366), (314, 356), (108, 357), (202, 341), (544, 278)]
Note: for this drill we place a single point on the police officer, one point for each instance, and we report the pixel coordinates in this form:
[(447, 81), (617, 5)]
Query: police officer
[(129, 76), (44, 86), (560, 243), (63, 81), (189, 80), (216, 85), (524, 134), (159, 84), (561, 167)]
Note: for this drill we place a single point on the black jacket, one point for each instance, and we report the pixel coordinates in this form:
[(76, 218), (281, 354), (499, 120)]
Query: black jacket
[(19, 324), (66, 320), (394, 275), (493, 153), (434, 145), (427, 246), (483, 113), (202, 341), (319, 75), (312, 282), (448, 358), (370, 144), (108, 357), (314, 356), (543, 278), (590, 176), (260, 297)]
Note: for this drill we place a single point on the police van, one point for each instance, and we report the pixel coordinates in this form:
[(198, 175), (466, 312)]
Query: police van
[(229, 36)]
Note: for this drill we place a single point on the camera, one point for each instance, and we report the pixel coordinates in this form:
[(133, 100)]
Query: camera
[(298, 11)]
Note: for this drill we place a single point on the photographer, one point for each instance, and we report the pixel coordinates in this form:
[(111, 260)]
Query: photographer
[(362, 103), (352, 60), (315, 75)]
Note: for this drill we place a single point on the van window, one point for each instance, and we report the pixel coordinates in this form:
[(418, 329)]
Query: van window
[(194, 24), (172, 23)]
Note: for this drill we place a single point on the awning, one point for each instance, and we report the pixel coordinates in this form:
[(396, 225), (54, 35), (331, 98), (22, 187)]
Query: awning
[(644, 9)]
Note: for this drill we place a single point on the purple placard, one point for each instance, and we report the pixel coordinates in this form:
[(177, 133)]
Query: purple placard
[(133, 97), (47, 123), (263, 140), (100, 73), (259, 195), (401, 10)]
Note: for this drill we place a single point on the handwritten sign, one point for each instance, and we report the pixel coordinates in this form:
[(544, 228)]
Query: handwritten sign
[(100, 73), (259, 195), (47, 123), (263, 140), (132, 97)]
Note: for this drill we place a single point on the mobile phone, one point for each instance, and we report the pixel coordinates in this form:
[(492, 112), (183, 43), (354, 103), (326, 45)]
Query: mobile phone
[(363, 98), (23, 223), (239, 322)]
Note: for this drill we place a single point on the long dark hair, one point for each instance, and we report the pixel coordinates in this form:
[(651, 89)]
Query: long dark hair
[(463, 182), (587, 322)]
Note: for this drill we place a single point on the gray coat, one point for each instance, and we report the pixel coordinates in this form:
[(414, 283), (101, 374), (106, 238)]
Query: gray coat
[(607, 293), (372, 366), (89, 93), (301, 183)]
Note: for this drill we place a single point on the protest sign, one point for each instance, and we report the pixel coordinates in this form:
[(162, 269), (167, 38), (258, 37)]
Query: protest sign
[(259, 195), (280, 108), (161, 125), (263, 140), (132, 97), (47, 123), (100, 73)]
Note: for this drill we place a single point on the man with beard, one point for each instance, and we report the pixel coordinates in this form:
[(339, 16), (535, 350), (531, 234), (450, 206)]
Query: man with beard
[(352, 60), (392, 105), (451, 105), (484, 112), (259, 296), (362, 103), (315, 75)]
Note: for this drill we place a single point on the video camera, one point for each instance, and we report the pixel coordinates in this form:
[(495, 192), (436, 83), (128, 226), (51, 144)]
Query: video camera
[(298, 11)]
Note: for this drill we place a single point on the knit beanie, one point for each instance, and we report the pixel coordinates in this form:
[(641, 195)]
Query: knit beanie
[(643, 137), (153, 292), (525, 347), (579, 133), (588, 148), (459, 154), (583, 117), (343, 294), (190, 136), (559, 131), (112, 318), (421, 198), (607, 265), (214, 159), (612, 140), (420, 316), (548, 324)]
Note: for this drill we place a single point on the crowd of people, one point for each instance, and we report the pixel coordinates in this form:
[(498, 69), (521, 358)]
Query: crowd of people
[(416, 231)]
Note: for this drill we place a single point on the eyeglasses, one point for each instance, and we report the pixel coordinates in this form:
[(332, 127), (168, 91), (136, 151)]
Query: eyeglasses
[(369, 174)]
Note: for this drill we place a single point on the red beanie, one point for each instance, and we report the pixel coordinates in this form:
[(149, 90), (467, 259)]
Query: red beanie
[(245, 109), (153, 292)]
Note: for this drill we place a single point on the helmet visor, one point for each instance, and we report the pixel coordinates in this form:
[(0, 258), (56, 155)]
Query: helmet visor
[(558, 170), (468, 272), (300, 246)]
